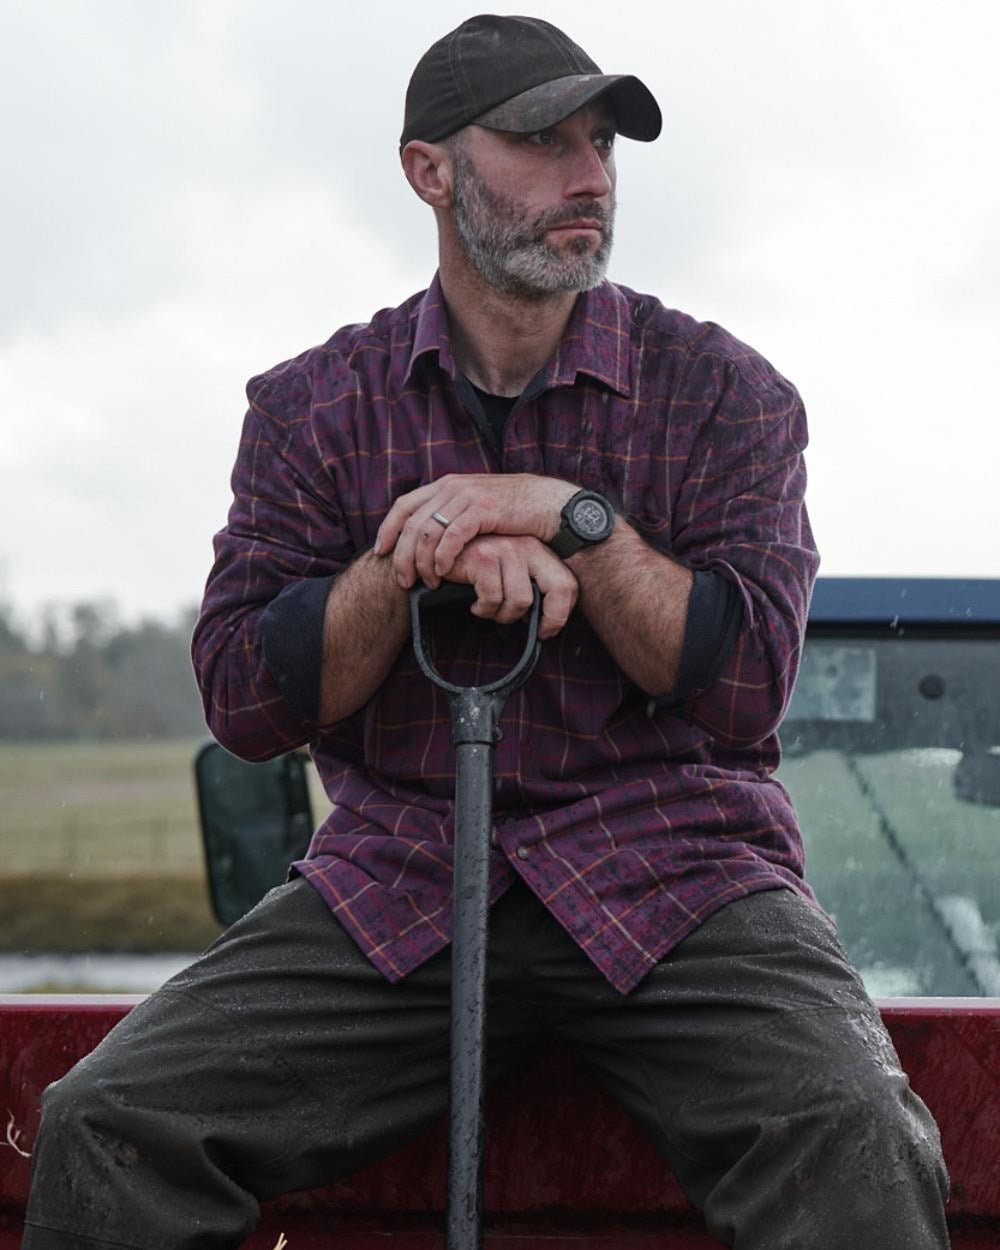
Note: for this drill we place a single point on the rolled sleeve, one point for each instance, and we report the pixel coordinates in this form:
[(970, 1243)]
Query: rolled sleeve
[(714, 621), (291, 628)]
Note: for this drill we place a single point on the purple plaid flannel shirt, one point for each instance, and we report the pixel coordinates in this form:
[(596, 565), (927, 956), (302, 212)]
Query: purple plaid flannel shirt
[(632, 819)]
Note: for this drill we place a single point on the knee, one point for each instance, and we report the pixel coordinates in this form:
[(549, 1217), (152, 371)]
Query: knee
[(841, 1104), (872, 1111), (841, 1169), (65, 1104), (880, 1136), (856, 1107), (83, 1106), (838, 1141)]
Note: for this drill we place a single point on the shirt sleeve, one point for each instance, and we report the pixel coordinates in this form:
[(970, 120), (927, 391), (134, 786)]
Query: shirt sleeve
[(284, 543), (291, 633), (740, 513), (714, 621)]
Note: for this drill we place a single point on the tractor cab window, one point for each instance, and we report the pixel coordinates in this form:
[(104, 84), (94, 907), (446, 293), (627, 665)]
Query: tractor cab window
[(892, 757)]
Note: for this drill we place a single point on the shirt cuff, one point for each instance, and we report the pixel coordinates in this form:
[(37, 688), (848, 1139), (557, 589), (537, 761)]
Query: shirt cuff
[(714, 621), (291, 637)]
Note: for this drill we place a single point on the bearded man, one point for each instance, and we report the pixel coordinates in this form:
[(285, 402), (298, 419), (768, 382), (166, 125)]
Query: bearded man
[(522, 421)]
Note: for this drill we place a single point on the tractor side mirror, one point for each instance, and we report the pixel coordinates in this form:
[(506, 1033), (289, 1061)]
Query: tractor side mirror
[(255, 820)]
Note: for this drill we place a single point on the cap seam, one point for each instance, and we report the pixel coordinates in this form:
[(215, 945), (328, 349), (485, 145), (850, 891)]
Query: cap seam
[(464, 87), (566, 45)]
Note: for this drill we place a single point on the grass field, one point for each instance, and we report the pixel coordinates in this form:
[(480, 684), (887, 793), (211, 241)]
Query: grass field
[(98, 809), (100, 847)]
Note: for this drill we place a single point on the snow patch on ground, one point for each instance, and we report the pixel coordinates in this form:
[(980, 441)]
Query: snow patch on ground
[(124, 974)]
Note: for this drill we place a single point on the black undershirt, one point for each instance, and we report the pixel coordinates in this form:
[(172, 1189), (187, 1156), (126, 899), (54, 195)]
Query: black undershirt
[(497, 409)]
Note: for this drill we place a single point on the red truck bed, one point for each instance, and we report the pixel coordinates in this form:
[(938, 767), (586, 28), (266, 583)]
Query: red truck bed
[(565, 1167)]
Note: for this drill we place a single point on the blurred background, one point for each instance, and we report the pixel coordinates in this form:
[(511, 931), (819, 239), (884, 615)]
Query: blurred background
[(195, 191)]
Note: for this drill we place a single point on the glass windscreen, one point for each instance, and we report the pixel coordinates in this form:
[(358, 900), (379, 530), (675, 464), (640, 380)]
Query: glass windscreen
[(892, 756)]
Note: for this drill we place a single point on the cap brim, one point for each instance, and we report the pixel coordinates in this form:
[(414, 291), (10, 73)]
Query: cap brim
[(637, 115)]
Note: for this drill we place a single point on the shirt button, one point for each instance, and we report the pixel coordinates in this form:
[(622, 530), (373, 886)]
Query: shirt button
[(522, 852)]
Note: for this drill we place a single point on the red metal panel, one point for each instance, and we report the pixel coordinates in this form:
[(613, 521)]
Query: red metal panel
[(560, 1151), (41, 1037), (334, 1234), (339, 1235), (950, 1049)]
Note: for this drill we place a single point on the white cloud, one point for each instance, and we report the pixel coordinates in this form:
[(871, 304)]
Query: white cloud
[(123, 432), (203, 190)]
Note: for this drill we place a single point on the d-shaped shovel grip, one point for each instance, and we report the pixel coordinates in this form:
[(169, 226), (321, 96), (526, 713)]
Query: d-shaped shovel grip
[(452, 592)]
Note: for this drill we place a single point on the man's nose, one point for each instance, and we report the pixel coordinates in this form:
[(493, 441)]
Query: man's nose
[(591, 173)]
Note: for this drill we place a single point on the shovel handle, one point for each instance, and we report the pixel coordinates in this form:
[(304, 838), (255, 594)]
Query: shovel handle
[(453, 592), (475, 715)]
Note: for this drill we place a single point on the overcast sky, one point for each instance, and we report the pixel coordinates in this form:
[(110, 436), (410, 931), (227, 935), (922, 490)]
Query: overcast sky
[(195, 191)]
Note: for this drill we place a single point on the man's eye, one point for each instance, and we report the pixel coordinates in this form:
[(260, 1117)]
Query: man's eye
[(605, 142), (546, 138)]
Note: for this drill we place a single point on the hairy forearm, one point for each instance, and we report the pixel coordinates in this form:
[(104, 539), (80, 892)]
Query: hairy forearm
[(365, 624), (636, 599)]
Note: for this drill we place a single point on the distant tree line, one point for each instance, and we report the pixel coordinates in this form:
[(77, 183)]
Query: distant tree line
[(83, 674)]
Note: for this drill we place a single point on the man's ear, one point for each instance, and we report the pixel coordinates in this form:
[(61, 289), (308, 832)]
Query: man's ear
[(428, 171)]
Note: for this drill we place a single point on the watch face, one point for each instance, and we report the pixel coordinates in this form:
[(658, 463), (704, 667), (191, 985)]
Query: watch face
[(590, 518)]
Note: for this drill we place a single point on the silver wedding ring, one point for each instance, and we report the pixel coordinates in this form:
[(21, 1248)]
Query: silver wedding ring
[(440, 518)]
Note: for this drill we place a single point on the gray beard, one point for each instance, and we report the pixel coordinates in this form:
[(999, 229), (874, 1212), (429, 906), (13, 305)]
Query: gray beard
[(510, 252)]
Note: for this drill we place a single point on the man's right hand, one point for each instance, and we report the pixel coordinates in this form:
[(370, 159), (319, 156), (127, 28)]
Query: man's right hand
[(500, 568)]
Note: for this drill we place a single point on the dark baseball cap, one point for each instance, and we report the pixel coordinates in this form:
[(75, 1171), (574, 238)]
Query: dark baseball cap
[(519, 74)]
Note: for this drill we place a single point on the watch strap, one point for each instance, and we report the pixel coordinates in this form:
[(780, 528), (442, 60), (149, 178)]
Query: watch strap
[(566, 543), (570, 538)]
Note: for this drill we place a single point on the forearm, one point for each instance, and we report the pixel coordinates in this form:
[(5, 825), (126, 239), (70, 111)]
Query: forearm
[(636, 600), (366, 621)]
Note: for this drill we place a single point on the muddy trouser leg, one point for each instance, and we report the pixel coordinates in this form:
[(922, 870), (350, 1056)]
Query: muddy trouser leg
[(755, 1060), (280, 1059)]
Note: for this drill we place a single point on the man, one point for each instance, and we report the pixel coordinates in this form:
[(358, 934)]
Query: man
[(523, 420)]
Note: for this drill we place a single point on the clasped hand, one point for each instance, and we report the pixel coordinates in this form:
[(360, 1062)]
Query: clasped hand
[(498, 525)]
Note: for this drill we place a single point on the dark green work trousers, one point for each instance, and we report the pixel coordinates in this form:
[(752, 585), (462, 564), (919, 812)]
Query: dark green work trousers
[(281, 1060)]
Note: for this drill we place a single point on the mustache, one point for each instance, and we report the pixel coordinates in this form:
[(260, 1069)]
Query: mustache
[(589, 210)]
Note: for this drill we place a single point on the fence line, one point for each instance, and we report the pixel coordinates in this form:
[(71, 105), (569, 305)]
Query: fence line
[(78, 845)]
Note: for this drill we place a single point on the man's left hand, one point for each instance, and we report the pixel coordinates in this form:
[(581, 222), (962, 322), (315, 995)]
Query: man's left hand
[(425, 548)]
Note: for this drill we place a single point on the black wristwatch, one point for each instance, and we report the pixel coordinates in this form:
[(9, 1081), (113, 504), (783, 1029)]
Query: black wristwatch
[(587, 519)]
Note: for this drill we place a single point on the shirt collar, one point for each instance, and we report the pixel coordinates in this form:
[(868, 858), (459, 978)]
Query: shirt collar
[(432, 332), (596, 340)]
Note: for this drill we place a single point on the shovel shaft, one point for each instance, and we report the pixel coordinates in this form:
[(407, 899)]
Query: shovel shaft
[(473, 800), (475, 721)]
